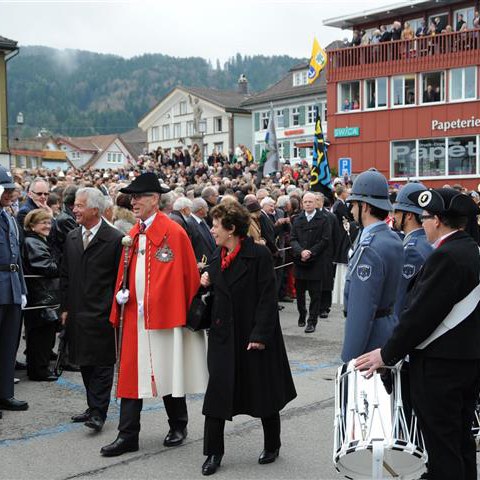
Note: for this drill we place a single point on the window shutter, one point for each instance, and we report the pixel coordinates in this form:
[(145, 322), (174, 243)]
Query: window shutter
[(286, 150), (286, 118), (257, 121), (301, 116)]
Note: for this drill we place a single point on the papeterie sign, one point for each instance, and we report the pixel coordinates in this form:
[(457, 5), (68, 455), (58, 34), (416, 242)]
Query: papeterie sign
[(455, 124)]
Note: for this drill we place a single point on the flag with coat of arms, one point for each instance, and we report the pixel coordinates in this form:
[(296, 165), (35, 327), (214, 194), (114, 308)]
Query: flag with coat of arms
[(269, 162), (318, 61)]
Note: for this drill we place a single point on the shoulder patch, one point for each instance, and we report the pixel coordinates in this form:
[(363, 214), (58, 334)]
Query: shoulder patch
[(367, 240), (364, 272), (408, 271)]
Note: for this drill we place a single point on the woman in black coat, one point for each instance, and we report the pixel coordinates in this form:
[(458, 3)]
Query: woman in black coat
[(42, 279), (247, 360)]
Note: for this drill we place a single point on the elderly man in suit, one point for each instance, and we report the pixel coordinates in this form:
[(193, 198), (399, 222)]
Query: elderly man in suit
[(202, 240), (310, 237), (12, 295), (89, 270)]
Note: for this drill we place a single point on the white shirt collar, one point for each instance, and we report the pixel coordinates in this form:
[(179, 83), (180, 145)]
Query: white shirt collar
[(197, 219), (310, 215), (149, 220), (92, 230)]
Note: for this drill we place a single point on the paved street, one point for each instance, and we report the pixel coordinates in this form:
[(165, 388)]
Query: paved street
[(42, 443)]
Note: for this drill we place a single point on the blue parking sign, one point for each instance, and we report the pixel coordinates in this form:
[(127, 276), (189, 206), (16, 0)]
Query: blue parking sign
[(345, 167)]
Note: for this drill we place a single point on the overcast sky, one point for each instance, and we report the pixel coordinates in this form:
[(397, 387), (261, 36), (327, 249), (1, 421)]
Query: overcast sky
[(206, 28)]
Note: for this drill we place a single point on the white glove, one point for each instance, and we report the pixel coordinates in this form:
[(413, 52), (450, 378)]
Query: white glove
[(122, 296), (24, 301), (1, 190)]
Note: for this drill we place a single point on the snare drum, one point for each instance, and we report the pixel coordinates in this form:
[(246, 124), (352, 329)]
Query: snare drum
[(373, 438)]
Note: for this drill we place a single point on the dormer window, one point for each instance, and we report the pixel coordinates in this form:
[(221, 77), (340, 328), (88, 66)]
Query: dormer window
[(300, 78)]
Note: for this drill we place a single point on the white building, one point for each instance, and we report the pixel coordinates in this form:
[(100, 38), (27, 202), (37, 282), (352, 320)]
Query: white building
[(294, 102), (224, 122)]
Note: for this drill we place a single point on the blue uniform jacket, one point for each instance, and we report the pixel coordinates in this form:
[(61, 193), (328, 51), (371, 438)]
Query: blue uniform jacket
[(416, 249), (12, 284), (371, 285)]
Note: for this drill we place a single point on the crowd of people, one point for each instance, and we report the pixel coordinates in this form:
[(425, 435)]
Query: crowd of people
[(117, 257)]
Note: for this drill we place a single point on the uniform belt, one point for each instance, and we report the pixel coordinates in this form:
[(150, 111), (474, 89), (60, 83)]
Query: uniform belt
[(383, 312), (12, 267)]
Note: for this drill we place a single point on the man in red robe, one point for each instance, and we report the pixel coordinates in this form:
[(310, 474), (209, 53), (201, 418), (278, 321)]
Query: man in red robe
[(157, 356)]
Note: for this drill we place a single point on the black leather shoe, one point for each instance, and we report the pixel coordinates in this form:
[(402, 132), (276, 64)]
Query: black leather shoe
[(13, 404), (175, 437), (268, 457), (82, 417), (301, 321), (46, 378), (95, 423), (211, 464), (20, 365), (324, 314), (310, 328), (120, 446)]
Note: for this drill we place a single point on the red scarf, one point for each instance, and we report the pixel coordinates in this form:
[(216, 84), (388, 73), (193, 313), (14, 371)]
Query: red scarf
[(228, 258)]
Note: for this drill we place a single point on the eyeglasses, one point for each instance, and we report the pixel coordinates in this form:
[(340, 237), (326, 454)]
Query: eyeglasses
[(45, 194), (426, 217), (45, 222)]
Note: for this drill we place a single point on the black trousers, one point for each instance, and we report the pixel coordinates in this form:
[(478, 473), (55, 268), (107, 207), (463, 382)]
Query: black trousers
[(10, 321), (130, 408), (314, 288), (40, 339), (213, 438), (444, 393), (325, 300), (98, 381)]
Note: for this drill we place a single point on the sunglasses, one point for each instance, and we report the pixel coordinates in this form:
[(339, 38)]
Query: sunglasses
[(426, 217), (44, 194)]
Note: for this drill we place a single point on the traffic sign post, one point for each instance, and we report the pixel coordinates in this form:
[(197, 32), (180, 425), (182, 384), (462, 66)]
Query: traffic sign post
[(345, 167)]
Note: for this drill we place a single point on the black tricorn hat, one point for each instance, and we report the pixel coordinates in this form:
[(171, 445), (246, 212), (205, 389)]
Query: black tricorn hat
[(146, 183), (444, 201)]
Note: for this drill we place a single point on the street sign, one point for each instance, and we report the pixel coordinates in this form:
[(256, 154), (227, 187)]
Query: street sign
[(345, 167)]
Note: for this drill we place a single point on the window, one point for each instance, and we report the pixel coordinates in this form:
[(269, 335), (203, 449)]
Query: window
[(300, 78), (177, 130), (264, 116), (403, 90), (281, 150), (431, 157), (376, 93), (166, 132), (349, 96), (416, 23), (182, 108), (440, 19), (295, 152), (114, 157), (217, 122), (279, 118), (311, 113), (295, 116), (462, 156), (324, 112), (433, 86), (155, 134), (404, 159), (189, 128), (218, 147), (463, 83), (468, 16)]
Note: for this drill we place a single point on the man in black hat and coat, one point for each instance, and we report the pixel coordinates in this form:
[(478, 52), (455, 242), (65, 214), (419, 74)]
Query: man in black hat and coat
[(439, 329)]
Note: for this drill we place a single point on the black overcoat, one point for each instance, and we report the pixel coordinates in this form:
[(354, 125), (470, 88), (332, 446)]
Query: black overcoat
[(254, 382), (87, 282), (314, 235), (330, 252)]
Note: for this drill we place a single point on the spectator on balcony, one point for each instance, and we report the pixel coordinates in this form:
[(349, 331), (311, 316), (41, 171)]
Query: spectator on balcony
[(460, 22), (396, 30), (356, 38), (365, 38), (386, 36), (429, 95), (346, 105), (407, 32), (376, 36), (439, 25), (476, 19), (422, 30), (355, 104)]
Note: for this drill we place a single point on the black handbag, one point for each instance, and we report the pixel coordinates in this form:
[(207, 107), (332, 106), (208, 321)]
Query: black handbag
[(199, 316)]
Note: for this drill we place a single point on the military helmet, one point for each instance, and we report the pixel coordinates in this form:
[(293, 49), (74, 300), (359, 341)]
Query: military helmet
[(371, 187), (6, 180), (403, 203)]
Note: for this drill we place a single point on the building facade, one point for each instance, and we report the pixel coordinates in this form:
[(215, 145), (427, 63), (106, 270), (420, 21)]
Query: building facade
[(8, 49), (410, 108), (220, 120), (294, 102)]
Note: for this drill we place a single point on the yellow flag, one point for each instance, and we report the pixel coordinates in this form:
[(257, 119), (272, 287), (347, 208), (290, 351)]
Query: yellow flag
[(318, 60)]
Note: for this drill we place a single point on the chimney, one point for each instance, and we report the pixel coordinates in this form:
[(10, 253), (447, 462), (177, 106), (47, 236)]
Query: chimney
[(242, 85)]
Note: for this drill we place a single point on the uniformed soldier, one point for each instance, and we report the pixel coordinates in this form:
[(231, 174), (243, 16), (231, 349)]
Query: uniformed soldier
[(12, 295), (374, 269), (440, 330), (416, 248)]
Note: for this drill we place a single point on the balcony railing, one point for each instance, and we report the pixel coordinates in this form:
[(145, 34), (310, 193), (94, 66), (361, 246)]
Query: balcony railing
[(446, 50)]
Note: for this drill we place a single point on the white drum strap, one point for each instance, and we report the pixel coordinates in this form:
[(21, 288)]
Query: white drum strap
[(457, 315), (377, 459)]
